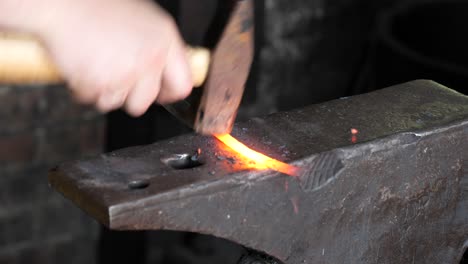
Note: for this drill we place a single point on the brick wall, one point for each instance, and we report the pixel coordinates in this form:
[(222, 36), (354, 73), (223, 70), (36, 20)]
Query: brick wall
[(39, 128)]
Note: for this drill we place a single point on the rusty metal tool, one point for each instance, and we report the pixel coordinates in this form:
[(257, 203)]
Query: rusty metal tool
[(385, 181), (223, 71)]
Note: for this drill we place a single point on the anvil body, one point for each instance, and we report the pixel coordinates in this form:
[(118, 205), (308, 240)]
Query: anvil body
[(396, 192)]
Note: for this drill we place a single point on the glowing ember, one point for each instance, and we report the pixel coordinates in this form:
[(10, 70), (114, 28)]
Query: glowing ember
[(258, 160), (354, 133)]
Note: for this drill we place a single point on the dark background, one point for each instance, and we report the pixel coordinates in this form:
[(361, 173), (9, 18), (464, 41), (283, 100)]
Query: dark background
[(307, 51)]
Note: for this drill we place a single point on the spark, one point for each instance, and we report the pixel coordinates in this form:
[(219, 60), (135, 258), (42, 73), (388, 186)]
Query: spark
[(354, 133)]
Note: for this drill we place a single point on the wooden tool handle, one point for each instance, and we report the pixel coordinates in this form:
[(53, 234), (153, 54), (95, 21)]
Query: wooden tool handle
[(23, 60), (199, 63)]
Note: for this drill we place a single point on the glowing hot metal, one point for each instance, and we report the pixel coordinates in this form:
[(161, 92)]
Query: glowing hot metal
[(260, 161)]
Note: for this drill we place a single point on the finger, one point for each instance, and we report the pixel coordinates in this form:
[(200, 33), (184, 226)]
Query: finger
[(115, 97), (176, 78), (84, 97), (111, 100), (84, 94), (144, 93)]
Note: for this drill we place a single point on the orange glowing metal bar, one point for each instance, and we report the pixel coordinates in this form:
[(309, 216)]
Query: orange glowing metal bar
[(261, 161)]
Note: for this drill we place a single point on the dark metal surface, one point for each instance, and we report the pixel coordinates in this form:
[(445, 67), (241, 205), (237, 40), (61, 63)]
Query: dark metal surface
[(399, 194)]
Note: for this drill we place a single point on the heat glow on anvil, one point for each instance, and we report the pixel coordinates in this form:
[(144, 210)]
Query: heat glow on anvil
[(398, 194)]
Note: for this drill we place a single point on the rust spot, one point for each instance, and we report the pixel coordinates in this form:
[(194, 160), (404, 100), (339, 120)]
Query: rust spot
[(227, 96), (201, 114), (246, 24)]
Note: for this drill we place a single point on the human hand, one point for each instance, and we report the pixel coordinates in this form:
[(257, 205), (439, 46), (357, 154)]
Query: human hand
[(116, 53)]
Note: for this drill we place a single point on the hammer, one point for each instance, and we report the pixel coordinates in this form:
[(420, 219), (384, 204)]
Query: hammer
[(222, 72)]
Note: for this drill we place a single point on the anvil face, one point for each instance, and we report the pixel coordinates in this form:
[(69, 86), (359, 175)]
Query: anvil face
[(395, 192)]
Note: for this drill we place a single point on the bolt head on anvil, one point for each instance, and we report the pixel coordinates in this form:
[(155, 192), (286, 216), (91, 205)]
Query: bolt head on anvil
[(396, 194)]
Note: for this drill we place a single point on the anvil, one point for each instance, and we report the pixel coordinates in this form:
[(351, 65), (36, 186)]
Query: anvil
[(395, 192)]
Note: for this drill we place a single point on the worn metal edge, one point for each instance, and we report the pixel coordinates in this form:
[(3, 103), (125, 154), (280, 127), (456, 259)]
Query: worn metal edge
[(80, 199), (240, 179)]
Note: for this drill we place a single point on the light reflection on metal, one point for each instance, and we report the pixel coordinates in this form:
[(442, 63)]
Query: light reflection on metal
[(254, 159)]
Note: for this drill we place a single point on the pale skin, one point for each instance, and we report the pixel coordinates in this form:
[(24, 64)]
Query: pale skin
[(112, 53)]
